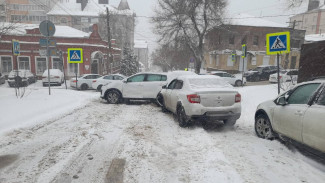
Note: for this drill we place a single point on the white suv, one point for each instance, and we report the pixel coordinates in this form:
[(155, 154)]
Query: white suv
[(201, 97), (142, 86), (297, 114)]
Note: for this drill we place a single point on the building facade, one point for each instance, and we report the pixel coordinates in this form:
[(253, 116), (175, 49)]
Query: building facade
[(222, 42), (94, 51), (312, 20), (141, 51)]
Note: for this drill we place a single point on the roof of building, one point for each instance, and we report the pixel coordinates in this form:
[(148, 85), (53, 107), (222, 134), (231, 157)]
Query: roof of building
[(61, 31), (315, 37), (140, 44), (92, 9), (249, 20), (124, 5)]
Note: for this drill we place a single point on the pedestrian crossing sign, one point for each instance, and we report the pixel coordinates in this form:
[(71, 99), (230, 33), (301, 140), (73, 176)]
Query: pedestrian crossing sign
[(75, 55), (278, 43)]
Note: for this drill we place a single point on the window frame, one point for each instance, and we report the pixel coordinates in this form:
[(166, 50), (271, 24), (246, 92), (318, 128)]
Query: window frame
[(144, 78), (52, 61), (12, 63), (18, 57), (312, 97), (36, 67)]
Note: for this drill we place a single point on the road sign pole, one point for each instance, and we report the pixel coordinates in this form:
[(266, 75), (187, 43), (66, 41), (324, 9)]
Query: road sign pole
[(242, 74), (278, 62), (61, 60), (48, 60)]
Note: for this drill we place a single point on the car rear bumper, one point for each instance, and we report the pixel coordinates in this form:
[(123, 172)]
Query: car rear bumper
[(218, 116), (219, 113)]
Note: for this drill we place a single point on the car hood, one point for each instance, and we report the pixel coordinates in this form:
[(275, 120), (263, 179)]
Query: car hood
[(117, 84)]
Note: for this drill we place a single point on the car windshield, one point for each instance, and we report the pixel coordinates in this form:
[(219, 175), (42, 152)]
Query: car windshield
[(189, 92)]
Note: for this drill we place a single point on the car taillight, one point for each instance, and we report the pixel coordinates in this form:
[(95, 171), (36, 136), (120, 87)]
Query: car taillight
[(238, 98), (74, 81), (194, 99), (94, 81), (56, 76), (44, 77), (280, 77)]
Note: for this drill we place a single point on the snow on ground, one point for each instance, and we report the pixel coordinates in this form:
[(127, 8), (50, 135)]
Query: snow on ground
[(79, 147), (37, 106)]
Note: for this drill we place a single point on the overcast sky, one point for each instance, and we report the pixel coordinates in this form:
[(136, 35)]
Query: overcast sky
[(252, 7)]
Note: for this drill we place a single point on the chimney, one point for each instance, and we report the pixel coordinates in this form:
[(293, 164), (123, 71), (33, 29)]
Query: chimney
[(313, 4)]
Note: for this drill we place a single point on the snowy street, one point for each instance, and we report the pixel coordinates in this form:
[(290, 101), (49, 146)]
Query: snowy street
[(79, 146)]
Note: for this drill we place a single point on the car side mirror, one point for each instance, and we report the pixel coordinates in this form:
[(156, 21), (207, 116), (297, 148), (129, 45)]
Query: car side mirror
[(164, 87), (282, 101)]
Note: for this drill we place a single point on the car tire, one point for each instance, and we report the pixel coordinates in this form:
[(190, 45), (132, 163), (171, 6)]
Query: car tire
[(238, 83), (161, 103), (26, 83), (229, 122), (99, 88), (59, 84), (44, 84), (263, 127), (183, 119), (113, 97), (84, 87)]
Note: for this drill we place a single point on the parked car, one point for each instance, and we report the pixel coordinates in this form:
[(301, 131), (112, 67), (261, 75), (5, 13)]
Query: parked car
[(262, 72), (27, 77), (285, 75), (2, 79), (104, 80), (201, 96), (235, 80), (56, 77), (141, 86), (84, 82), (296, 115)]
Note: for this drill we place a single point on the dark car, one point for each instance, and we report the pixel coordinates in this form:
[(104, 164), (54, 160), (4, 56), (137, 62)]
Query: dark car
[(24, 77), (261, 73), (2, 79)]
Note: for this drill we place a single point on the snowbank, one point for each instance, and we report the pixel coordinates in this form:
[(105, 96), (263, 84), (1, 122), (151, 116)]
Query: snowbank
[(37, 106)]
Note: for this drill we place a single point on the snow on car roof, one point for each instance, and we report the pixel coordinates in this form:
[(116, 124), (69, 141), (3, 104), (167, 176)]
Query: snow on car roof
[(203, 82), (53, 72)]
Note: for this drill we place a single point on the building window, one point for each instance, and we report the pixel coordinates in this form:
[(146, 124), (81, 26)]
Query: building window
[(41, 65), (63, 21), (217, 60), (6, 64), (244, 40), (232, 39), (266, 60), (23, 63), (255, 40), (253, 60), (230, 63), (72, 69), (57, 64), (211, 59)]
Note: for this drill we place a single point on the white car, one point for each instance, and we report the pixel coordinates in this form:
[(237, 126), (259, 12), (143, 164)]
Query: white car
[(56, 77), (297, 114), (143, 86), (201, 96), (285, 75), (27, 77), (84, 82), (98, 83), (235, 80)]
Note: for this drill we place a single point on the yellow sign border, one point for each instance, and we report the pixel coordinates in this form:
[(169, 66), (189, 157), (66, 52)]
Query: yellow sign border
[(81, 56), (268, 52)]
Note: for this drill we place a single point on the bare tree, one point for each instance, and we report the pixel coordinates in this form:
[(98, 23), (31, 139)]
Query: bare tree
[(5, 27), (294, 3), (190, 19)]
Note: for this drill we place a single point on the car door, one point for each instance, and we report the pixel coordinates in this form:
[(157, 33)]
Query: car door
[(133, 88), (287, 119), (314, 124), (228, 77), (167, 96), (174, 95), (152, 85), (87, 79)]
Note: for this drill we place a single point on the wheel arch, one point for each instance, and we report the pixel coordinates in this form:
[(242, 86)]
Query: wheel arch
[(113, 89)]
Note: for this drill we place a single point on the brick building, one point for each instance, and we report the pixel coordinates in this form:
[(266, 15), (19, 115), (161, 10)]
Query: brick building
[(224, 40), (94, 51)]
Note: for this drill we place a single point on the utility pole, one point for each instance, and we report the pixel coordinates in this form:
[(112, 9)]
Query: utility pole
[(109, 52)]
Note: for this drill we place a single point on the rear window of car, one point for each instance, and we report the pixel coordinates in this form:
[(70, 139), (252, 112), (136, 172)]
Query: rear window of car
[(156, 77), (196, 83)]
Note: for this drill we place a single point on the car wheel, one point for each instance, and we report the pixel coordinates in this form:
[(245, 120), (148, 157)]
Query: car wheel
[(182, 118), (229, 122), (238, 83), (59, 84), (113, 97), (26, 83), (99, 88), (44, 84), (263, 127), (84, 87)]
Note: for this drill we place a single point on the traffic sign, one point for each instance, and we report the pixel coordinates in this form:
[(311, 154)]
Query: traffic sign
[(244, 51), (47, 28), (15, 47), (278, 43), (233, 57), (42, 53), (43, 43), (53, 52), (75, 55)]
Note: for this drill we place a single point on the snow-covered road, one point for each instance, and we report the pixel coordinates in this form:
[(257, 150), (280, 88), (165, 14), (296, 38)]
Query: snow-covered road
[(80, 145)]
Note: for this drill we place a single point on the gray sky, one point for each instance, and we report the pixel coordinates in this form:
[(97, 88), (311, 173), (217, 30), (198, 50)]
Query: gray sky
[(252, 7)]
